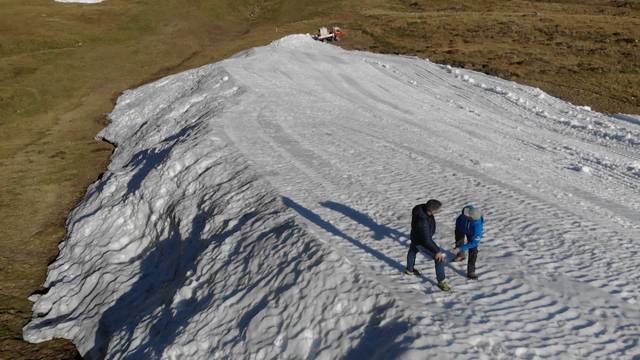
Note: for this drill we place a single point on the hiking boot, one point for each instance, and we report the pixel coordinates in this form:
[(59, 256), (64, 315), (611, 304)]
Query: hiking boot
[(472, 276), (444, 286), (459, 257), (414, 272)]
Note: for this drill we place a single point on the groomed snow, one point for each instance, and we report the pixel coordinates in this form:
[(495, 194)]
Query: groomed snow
[(259, 208)]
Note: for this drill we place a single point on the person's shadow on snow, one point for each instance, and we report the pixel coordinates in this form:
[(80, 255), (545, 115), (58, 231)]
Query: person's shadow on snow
[(377, 342), (330, 228), (379, 231)]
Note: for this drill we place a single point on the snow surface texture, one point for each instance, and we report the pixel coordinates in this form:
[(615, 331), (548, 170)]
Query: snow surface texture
[(259, 208), (630, 118)]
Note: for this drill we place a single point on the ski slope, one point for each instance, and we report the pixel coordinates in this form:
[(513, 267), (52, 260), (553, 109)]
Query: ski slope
[(259, 208)]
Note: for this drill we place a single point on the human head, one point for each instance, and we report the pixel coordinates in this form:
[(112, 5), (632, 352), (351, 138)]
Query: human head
[(433, 206), (475, 213)]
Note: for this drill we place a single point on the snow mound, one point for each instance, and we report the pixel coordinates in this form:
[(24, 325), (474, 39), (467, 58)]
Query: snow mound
[(181, 250), (259, 208)]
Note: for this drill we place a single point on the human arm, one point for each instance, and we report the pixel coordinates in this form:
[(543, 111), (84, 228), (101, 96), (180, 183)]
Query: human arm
[(427, 237), (478, 232)]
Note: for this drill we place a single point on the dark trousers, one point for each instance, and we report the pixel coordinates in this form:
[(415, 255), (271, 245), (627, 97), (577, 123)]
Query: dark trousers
[(473, 253), (411, 260)]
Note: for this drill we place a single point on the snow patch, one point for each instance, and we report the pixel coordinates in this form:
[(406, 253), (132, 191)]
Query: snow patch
[(257, 208)]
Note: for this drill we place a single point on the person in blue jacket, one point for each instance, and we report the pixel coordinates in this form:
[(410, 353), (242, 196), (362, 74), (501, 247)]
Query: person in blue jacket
[(423, 227), (469, 225)]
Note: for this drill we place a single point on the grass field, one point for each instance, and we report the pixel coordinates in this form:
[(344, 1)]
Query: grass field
[(63, 65)]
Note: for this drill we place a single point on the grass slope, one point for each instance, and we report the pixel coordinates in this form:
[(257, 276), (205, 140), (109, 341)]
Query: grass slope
[(63, 65)]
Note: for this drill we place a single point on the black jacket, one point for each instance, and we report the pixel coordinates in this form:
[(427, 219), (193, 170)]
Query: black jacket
[(423, 227)]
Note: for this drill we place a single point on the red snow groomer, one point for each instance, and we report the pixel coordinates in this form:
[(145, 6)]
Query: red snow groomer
[(325, 34)]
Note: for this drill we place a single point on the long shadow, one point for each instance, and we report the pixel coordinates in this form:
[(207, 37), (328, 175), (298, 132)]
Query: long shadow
[(314, 218), (145, 161), (162, 274), (149, 159), (377, 342), (382, 342), (379, 231)]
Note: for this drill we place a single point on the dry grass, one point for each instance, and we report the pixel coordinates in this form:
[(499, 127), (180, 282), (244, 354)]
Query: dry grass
[(586, 52), (62, 66)]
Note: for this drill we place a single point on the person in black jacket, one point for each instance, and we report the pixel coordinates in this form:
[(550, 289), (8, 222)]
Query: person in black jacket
[(423, 226)]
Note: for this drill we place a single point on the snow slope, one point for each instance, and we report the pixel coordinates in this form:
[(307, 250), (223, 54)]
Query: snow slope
[(259, 208)]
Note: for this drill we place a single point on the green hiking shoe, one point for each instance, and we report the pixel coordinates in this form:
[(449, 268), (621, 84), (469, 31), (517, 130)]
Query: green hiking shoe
[(414, 272), (444, 286)]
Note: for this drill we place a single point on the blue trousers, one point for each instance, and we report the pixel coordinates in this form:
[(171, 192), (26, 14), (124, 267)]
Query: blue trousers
[(411, 260)]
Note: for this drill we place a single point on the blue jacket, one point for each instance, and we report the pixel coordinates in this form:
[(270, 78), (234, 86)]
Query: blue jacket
[(473, 229)]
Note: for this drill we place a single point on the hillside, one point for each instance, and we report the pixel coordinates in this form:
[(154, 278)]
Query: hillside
[(259, 207), (63, 65)]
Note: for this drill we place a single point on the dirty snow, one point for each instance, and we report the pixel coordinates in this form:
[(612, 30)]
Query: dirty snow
[(259, 208)]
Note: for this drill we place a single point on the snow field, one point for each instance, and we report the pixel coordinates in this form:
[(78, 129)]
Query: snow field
[(260, 208)]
